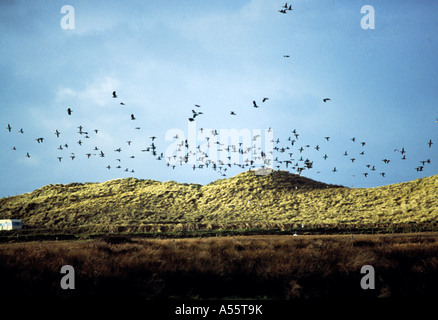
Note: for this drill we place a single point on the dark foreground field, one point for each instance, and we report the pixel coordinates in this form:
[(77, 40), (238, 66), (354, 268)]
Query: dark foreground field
[(255, 267)]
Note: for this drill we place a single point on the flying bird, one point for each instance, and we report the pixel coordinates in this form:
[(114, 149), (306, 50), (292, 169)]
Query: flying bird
[(232, 113), (114, 94), (255, 104), (264, 99), (69, 111), (9, 127), (326, 99), (132, 117), (430, 143), (27, 155), (57, 133)]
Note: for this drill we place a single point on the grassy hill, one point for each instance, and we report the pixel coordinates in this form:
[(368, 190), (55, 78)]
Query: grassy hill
[(280, 200)]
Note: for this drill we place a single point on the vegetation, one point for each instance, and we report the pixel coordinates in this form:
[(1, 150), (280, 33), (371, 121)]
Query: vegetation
[(280, 201), (255, 267)]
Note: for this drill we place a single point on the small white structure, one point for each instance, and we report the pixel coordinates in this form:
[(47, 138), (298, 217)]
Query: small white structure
[(10, 224), (263, 171)]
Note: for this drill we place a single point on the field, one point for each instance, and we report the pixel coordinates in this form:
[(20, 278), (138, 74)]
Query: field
[(269, 267)]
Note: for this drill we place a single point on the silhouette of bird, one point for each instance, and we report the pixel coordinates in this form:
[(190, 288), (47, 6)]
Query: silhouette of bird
[(114, 94), (197, 106), (326, 99), (122, 103), (430, 143), (9, 127), (232, 113), (57, 133), (334, 169), (286, 56), (132, 117), (264, 99), (255, 104), (21, 130), (191, 119), (27, 155), (69, 111)]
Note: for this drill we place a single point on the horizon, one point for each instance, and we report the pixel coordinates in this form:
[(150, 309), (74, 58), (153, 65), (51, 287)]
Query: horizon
[(168, 61)]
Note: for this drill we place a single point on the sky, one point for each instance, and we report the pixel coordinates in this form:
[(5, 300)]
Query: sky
[(165, 57)]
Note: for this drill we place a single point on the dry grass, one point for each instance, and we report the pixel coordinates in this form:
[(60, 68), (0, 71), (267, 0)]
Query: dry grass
[(268, 267), (244, 201)]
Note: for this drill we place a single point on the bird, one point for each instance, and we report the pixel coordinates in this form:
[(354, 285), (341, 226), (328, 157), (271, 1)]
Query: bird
[(114, 94), (232, 113), (69, 111), (326, 99), (27, 155), (9, 127), (132, 117), (191, 119), (21, 130), (197, 106), (264, 99), (286, 56), (122, 103), (327, 138), (334, 169), (59, 159), (282, 11), (430, 143), (57, 133), (255, 104), (382, 174)]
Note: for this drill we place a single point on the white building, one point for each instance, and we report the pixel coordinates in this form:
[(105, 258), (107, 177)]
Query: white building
[(10, 224)]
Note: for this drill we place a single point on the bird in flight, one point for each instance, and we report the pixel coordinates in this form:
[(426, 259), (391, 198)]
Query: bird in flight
[(326, 99), (69, 111), (114, 94), (57, 133), (21, 130), (430, 143), (264, 99), (232, 113), (27, 155), (255, 104), (132, 117), (9, 127), (286, 56)]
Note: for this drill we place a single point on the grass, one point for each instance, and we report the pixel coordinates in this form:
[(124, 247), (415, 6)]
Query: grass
[(245, 201), (278, 267)]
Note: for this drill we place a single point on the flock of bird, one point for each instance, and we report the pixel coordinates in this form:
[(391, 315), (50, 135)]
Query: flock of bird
[(289, 153)]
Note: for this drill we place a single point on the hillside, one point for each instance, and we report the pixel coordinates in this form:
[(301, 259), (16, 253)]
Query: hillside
[(243, 201)]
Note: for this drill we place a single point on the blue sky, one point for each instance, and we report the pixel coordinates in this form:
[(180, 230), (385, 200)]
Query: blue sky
[(163, 57)]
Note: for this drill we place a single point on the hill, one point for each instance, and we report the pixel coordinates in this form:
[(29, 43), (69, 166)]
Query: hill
[(279, 200)]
